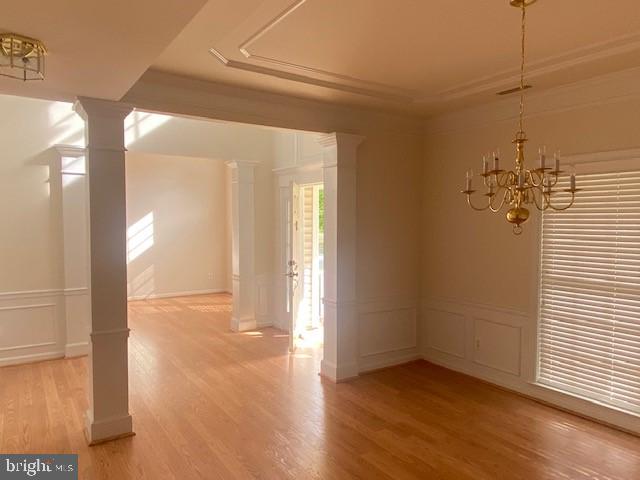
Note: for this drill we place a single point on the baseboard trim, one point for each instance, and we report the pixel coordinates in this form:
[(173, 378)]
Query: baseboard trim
[(79, 349), (264, 324), (619, 420), (243, 325), (394, 358), (186, 293), (108, 429), (30, 358), (340, 374)]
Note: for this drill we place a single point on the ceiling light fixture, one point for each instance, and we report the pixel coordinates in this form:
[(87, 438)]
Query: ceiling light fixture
[(21, 57), (520, 187)]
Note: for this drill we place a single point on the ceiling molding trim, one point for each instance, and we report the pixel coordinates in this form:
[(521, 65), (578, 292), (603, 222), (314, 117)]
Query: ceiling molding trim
[(294, 77), (169, 93), (607, 89), (244, 49), (551, 64), (260, 32)]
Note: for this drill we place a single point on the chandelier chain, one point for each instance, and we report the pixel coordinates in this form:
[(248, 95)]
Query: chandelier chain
[(522, 61)]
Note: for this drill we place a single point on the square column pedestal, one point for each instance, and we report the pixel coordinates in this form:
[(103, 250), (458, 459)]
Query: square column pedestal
[(108, 415), (340, 356)]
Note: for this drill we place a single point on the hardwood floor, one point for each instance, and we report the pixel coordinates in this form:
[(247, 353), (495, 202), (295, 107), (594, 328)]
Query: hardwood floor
[(211, 404)]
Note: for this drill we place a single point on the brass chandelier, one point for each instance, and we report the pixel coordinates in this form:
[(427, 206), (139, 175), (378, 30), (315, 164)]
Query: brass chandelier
[(520, 187), (21, 57)]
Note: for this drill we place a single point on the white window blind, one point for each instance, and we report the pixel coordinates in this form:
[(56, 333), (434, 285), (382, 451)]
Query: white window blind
[(589, 324)]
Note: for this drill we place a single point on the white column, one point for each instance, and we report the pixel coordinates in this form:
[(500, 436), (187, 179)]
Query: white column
[(75, 255), (108, 415), (340, 356), (243, 275)]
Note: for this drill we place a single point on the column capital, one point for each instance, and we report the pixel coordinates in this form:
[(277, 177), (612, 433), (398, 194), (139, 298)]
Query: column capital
[(242, 163), (70, 151), (88, 107), (340, 139), (242, 171)]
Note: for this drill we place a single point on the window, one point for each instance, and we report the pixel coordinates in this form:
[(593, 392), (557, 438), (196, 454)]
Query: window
[(589, 324)]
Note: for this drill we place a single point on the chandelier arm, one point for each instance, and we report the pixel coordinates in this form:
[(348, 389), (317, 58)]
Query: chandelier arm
[(566, 207), (503, 180), (494, 209), (539, 206), (532, 178), (477, 209)]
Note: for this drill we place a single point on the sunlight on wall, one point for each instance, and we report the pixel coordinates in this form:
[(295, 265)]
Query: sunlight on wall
[(65, 125), (143, 284), (139, 237), (138, 124), (72, 169)]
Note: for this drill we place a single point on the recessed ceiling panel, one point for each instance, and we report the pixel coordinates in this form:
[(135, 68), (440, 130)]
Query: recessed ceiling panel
[(409, 53)]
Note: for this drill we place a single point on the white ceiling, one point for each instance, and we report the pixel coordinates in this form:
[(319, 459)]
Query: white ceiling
[(97, 48), (416, 55), (420, 56)]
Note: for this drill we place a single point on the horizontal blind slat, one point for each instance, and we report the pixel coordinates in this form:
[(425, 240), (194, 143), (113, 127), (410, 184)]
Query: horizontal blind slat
[(589, 322)]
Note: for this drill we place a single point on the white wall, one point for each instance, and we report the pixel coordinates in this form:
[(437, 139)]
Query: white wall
[(32, 306), (479, 280), (177, 224)]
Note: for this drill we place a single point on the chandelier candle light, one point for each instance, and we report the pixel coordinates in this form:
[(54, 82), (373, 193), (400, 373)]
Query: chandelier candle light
[(522, 186)]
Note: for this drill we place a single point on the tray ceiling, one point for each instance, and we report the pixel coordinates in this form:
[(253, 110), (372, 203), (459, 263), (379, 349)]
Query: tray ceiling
[(414, 55)]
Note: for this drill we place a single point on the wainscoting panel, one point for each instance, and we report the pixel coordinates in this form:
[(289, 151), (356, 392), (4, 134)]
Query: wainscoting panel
[(262, 292), (446, 332), (497, 346), (387, 333), (31, 327), (475, 338)]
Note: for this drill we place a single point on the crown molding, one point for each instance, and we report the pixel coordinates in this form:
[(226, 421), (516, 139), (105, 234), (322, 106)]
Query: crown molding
[(295, 77), (551, 64), (606, 89), (376, 89)]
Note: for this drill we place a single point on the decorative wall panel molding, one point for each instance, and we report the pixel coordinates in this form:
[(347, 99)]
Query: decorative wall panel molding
[(388, 332), (499, 359), (31, 326), (263, 293)]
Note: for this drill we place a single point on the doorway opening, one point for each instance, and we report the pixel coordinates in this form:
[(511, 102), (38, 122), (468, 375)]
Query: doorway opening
[(305, 266)]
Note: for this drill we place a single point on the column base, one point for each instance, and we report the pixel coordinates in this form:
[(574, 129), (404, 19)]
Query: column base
[(243, 325), (338, 374), (107, 430)]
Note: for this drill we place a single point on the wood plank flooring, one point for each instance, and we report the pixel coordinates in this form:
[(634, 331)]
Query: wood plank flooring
[(211, 404)]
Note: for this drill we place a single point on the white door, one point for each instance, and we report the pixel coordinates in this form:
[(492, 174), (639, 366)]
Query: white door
[(293, 254)]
